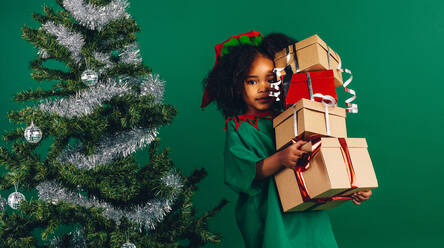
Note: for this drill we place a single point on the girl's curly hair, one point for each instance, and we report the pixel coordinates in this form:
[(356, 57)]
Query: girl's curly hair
[(224, 83)]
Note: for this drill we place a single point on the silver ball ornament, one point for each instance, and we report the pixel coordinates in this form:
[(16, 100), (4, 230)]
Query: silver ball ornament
[(14, 199), (128, 245), (90, 77), (33, 134)]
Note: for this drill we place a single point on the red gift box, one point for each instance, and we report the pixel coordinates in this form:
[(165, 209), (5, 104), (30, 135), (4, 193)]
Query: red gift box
[(322, 82)]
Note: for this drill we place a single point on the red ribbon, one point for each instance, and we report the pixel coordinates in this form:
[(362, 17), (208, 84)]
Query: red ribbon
[(348, 162), (304, 164)]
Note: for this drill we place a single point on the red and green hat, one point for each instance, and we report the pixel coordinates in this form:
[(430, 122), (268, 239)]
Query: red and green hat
[(253, 38)]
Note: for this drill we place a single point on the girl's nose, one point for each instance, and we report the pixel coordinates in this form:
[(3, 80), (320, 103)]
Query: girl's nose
[(264, 86)]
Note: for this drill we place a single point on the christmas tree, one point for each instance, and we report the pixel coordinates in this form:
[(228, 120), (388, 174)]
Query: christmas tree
[(103, 106)]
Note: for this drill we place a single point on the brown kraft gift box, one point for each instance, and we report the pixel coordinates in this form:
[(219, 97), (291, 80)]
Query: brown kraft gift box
[(311, 120), (312, 55), (327, 175)]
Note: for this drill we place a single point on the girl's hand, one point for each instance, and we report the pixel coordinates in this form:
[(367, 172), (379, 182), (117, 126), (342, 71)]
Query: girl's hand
[(361, 196), (290, 155)]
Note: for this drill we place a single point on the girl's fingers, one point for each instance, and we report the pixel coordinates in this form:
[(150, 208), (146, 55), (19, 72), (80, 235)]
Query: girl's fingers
[(298, 143), (302, 143), (362, 197), (356, 198), (298, 153), (364, 194)]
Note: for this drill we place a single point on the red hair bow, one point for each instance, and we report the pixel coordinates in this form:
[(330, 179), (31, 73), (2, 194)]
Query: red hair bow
[(219, 48)]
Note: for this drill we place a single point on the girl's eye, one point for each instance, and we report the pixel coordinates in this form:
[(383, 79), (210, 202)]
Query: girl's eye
[(251, 82), (271, 80)]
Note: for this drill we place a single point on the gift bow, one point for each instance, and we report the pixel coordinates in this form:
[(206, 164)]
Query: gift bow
[(328, 101)]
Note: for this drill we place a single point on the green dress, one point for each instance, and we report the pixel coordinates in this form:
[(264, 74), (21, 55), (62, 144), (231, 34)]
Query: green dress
[(249, 139)]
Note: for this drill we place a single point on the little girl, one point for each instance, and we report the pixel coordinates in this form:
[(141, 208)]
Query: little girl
[(239, 83)]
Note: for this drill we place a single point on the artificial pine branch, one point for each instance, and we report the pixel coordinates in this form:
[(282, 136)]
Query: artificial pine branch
[(39, 93)]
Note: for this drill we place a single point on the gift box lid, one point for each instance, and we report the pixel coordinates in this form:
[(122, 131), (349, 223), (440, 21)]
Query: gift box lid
[(320, 75), (314, 39), (334, 142), (308, 104)]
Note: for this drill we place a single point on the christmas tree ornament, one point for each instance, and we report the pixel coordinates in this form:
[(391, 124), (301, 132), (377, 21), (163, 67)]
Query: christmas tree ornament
[(128, 245), (15, 198), (90, 77), (33, 134), (2, 203)]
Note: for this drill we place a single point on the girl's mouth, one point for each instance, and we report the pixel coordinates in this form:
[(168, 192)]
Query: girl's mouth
[(264, 99)]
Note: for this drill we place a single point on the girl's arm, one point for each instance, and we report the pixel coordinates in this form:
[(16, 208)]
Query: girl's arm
[(285, 158)]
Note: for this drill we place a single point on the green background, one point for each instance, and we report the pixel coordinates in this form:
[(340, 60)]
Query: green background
[(394, 49)]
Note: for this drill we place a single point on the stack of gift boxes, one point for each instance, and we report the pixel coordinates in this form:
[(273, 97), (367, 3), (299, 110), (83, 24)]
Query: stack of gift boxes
[(333, 166)]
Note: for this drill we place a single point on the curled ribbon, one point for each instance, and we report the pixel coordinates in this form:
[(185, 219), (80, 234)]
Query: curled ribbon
[(275, 85), (328, 101), (278, 71), (352, 107)]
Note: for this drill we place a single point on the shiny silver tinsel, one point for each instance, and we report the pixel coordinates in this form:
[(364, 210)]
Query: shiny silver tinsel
[(131, 54), (71, 40), (153, 85), (145, 215), (128, 55), (104, 58), (43, 53), (109, 149), (86, 101), (96, 17)]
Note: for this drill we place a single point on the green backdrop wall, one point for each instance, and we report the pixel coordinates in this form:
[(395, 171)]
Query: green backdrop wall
[(392, 47)]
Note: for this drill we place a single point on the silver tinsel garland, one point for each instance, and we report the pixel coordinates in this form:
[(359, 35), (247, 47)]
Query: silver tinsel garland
[(109, 149), (104, 58), (96, 17), (86, 101), (149, 85), (145, 215), (71, 40), (153, 85), (131, 54), (43, 53)]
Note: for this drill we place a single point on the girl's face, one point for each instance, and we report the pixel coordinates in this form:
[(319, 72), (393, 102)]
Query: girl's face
[(257, 86)]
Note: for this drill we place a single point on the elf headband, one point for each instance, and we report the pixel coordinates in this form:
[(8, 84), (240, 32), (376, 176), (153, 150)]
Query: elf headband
[(253, 38)]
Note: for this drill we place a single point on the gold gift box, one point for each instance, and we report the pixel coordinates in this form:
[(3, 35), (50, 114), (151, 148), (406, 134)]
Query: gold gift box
[(310, 121), (312, 55), (327, 175)]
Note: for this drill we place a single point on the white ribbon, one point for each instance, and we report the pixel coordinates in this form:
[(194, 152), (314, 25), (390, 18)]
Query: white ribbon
[(275, 86), (352, 107), (295, 120), (278, 73), (328, 101)]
